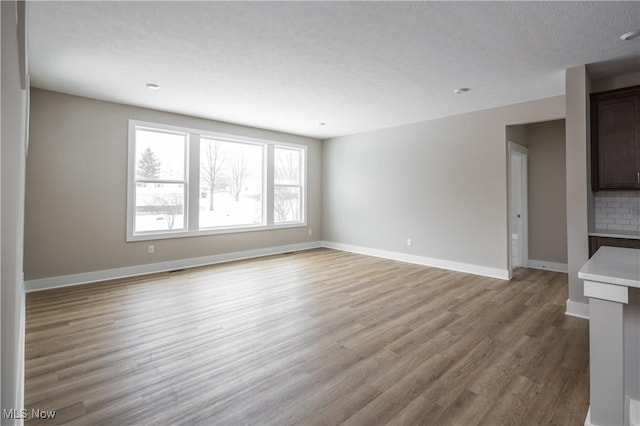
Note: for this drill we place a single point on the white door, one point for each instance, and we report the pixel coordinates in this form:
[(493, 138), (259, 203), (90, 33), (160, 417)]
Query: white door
[(518, 210)]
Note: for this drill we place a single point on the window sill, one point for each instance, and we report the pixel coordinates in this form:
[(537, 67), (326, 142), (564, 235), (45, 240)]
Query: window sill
[(184, 234)]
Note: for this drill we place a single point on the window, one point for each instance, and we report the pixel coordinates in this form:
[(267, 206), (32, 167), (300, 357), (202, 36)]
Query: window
[(185, 182), (160, 180), (231, 183), (287, 191)]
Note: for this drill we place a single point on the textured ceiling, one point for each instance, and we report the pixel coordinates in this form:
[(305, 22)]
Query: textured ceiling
[(356, 66)]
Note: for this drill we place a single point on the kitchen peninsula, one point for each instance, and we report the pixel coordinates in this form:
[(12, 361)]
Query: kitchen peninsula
[(612, 284)]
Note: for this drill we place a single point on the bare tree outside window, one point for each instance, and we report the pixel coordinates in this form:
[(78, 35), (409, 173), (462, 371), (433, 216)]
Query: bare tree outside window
[(238, 186), (284, 205), (211, 161), (239, 172), (172, 206), (287, 166)]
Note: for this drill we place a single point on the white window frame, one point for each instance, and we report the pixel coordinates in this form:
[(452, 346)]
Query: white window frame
[(192, 185), (303, 180)]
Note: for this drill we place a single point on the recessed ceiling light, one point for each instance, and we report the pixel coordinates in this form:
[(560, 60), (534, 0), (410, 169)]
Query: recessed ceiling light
[(461, 90), (152, 86), (631, 35), (323, 124)]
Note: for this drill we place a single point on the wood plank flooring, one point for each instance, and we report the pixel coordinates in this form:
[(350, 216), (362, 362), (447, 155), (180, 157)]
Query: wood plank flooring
[(312, 338)]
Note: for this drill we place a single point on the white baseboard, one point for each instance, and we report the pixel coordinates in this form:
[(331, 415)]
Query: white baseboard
[(634, 412), (502, 274), (132, 271), (577, 309), (587, 420), (21, 350), (548, 266)]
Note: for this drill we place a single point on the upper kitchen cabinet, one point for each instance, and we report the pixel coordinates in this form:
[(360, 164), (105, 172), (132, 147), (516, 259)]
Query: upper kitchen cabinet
[(615, 139)]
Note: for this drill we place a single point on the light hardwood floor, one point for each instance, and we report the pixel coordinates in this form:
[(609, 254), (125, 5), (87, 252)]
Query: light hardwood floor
[(310, 338)]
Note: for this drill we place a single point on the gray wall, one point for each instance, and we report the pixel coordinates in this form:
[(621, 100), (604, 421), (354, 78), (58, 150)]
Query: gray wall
[(76, 190), (547, 191), (442, 183), (578, 179), (12, 167), (616, 82), (517, 133)]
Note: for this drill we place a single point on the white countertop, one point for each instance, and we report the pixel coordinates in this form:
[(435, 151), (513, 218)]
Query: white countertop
[(613, 265)]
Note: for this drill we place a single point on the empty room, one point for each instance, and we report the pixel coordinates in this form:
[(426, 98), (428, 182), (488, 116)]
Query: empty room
[(314, 213)]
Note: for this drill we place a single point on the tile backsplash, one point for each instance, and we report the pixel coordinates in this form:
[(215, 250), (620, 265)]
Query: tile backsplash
[(618, 210)]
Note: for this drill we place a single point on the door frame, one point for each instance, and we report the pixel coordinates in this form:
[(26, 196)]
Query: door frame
[(514, 149)]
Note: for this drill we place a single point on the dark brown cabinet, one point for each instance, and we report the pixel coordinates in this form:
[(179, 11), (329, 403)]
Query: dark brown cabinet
[(615, 139), (596, 242)]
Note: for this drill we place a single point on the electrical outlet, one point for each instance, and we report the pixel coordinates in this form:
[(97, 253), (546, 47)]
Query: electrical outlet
[(151, 249), (310, 231), (409, 242)]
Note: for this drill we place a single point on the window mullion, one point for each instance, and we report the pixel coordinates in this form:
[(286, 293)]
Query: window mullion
[(193, 197), (162, 181)]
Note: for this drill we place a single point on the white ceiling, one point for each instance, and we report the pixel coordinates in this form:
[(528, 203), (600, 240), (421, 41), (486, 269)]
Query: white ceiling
[(356, 66)]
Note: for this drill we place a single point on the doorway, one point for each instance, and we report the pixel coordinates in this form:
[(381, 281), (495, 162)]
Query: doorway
[(518, 208)]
